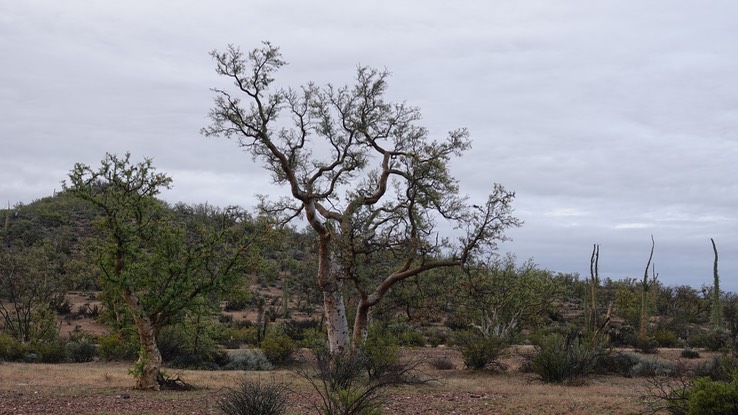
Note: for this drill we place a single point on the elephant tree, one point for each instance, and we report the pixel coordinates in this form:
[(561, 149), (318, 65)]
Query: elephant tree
[(369, 180), (161, 264)]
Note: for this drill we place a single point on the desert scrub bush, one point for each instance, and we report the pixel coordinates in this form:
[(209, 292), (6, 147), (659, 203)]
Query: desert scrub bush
[(713, 340), (636, 365), (344, 388), (719, 368), (478, 351), (248, 359), (442, 363), (11, 349), (707, 396), (117, 347), (379, 351), (689, 353), (238, 300), (50, 352), (559, 358), (278, 348), (254, 398), (666, 338), (81, 351)]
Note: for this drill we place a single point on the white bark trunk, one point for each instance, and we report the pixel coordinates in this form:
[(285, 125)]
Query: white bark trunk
[(336, 320)]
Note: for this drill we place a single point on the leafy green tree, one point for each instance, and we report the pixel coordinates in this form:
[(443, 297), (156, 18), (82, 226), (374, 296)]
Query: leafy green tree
[(502, 298), (370, 181), (161, 263)]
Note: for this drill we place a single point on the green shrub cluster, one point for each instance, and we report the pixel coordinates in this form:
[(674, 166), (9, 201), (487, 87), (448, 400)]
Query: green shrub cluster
[(707, 396), (254, 398), (478, 351), (277, 348), (248, 359), (118, 347), (558, 358), (637, 365), (52, 351)]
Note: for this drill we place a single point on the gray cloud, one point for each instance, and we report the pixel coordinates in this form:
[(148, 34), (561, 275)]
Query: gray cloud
[(611, 120)]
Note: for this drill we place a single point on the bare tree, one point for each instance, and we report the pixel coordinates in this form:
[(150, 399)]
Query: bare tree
[(368, 179)]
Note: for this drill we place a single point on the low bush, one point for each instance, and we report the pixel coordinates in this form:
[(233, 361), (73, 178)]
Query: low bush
[(248, 359), (637, 365), (379, 351), (81, 351), (254, 398), (10, 349), (478, 351), (707, 396), (238, 300), (666, 338), (278, 348), (713, 340), (719, 368), (116, 347), (558, 358), (688, 353), (50, 352), (442, 363)]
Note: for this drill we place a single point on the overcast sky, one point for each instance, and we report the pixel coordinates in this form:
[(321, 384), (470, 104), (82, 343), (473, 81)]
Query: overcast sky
[(611, 120)]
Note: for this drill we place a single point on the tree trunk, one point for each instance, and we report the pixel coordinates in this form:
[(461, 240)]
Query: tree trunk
[(336, 321), (148, 365), (361, 324), (333, 305), (147, 368)]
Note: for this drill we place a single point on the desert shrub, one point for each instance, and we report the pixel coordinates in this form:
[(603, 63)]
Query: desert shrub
[(647, 345), (479, 351), (713, 340), (50, 352), (665, 338), (442, 363), (314, 338), (707, 396), (689, 353), (379, 351), (344, 388), (411, 338), (254, 398), (278, 348), (191, 344), (225, 319), (645, 366), (248, 359), (11, 349), (118, 347), (719, 368), (559, 358), (81, 351), (297, 329), (64, 307), (238, 300)]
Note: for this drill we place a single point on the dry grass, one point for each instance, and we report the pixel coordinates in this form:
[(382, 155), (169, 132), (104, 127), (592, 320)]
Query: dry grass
[(458, 391)]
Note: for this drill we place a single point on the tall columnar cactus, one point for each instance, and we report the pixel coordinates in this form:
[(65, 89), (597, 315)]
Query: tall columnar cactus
[(646, 285), (594, 261), (716, 316)]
